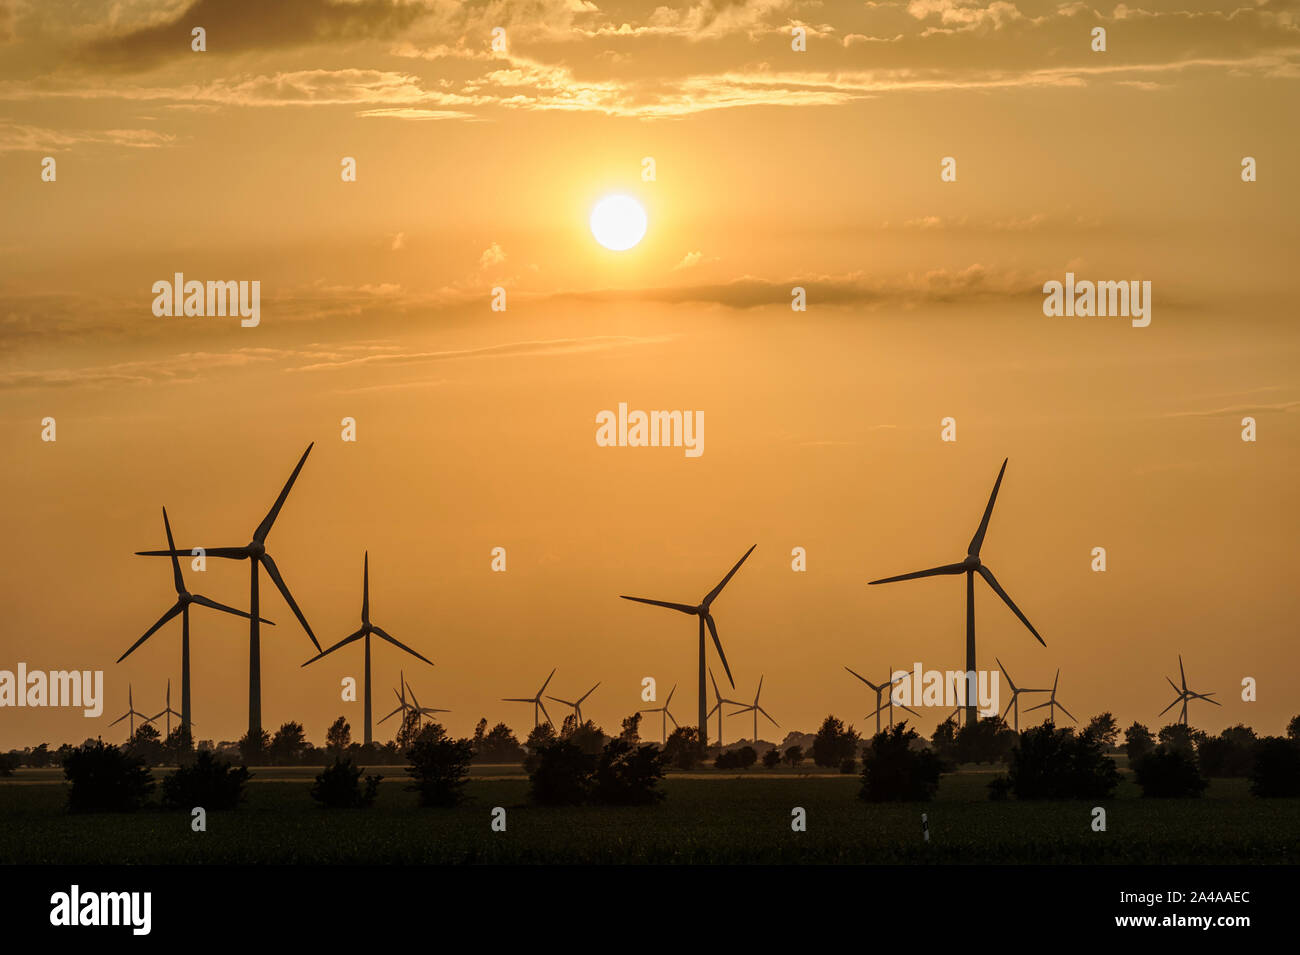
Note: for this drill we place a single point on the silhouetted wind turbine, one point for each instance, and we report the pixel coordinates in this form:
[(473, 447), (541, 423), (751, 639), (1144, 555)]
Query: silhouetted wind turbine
[(419, 710), (367, 630), (255, 553), (664, 710), (1015, 695), (756, 709), (880, 706), (717, 706), (576, 704), (168, 712), (535, 700), (706, 619), (1184, 695), (131, 712), (182, 606), (402, 705), (970, 567), (1052, 704)]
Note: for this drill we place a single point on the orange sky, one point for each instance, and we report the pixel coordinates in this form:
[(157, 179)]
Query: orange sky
[(476, 428)]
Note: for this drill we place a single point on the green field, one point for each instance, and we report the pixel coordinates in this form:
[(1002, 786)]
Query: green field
[(708, 817)]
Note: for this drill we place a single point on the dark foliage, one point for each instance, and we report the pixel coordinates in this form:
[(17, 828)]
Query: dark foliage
[(338, 786), (684, 748), (834, 743), (1169, 773), (208, 782), (1056, 764), (439, 768), (1277, 767), (1137, 742), (627, 774), (772, 758), (563, 775), (103, 778), (892, 771), (1228, 755)]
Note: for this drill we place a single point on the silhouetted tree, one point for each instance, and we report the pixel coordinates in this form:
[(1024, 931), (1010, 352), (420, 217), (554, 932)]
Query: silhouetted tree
[(1178, 736), (727, 759), (587, 736), (563, 775), (1276, 771), (103, 778), (338, 786), (1293, 729), (893, 771), (684, 748), (439, 768), (1231, 754), (631, 733), (794, 755), (944, 740), (480, 733), (1169, 772), (288, 744), (338, 738), (500, 746), (8, 763), (39, 757), (178, 746), (147, 745), (208, 782), (1056, 764), (1137, 742), (834, 743), (253, 749), (978, 742), (772, 758), (409, 729), (542, 736), (627, 774), (1104, 728)]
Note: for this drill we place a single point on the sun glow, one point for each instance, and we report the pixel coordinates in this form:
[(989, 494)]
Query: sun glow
[(618, 222)]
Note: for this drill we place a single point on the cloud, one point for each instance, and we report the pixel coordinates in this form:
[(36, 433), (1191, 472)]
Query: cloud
[(559, 346), (19, 138)]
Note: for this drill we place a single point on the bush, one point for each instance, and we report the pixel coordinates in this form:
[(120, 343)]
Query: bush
[(727, 759), (338, 786), (793, 755), (627, 774), (563, 775), (1137, 742), (8, 763), (833, 743), (1231, 754), (209, 782), (1277, 768), (981, 742), (105, 779), (748, 756), (684, 748), (439, 768), (1055, 764), (1169, 773), (772, 758), (892, 771), (849, 766)]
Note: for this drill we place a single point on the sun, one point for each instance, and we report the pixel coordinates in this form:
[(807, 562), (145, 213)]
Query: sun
[(618, 222)]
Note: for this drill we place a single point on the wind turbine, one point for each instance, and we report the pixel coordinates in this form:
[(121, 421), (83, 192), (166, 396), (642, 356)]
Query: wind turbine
[(970, 567), (131, 712), (576, 704), (367, 630), (1184, 695), (255, 553), (706, 619), (419, 710), (717, 707), (182, 606), (168, 712), (535, 700), (756, 709), (402, 705), (880, 706), (666, 715), (1052, 704), (1015, 696)]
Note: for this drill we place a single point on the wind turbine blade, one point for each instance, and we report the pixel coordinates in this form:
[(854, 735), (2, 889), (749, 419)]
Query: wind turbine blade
[(176, 564), (712, 711), (670, 695), (392, 714), (548, 715), (768, 715), (1182, 673), (731, 573), (176, 608), (708, 620), (738, 712), (1006, 674), (119, 719), (863, 678), (593, 690), (1174, 685), (684, 608), (993, 582), (517, 699), (977, 541), (910, 710), (932, 572), (1039, 706), (1170, 707), (1207, 699), (670, 716), (715, 684), (276, 579), (264, 528), (1065, 711), (342, 643), (204, 601), (548, 680), (228, 553), (385, 636), (556, 699)]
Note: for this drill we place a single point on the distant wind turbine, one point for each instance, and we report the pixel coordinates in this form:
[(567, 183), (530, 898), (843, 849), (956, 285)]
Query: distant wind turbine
[(168, 712), (182, 606), (1184, 695), (717, 706), (402, 705), (1014, 705), (576, 705), (132, 713), (1052, 703), (367, 630), (706, 620), (535, 700), (889, 699), (970, 567), (255, 553), (419, 710), (666, 714), (756, 709)]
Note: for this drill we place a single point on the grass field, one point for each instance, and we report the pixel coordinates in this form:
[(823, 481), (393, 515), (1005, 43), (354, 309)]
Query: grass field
[(707, 818)]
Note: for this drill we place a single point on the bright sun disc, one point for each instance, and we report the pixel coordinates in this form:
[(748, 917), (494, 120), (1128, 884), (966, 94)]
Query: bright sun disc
[(618, 222)]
